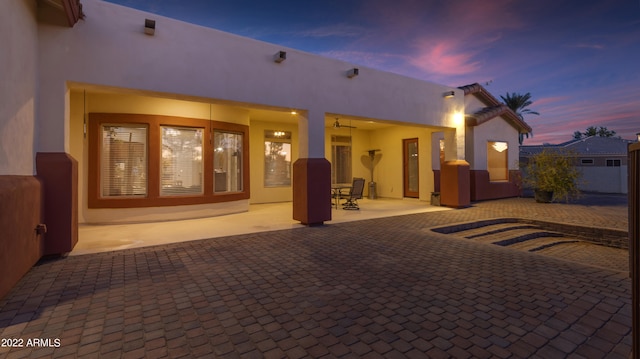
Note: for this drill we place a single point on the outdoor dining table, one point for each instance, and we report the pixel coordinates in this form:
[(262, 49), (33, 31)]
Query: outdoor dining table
[(336, 193)]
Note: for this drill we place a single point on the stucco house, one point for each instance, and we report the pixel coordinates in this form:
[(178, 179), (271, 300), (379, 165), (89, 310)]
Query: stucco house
[(602, 161), (491, 146), (110, 115)]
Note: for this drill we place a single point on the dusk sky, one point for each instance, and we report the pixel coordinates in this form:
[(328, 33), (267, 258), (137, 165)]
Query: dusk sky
[(578, 59)]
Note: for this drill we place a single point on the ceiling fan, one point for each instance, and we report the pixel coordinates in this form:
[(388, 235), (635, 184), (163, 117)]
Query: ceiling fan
[(338, 125)]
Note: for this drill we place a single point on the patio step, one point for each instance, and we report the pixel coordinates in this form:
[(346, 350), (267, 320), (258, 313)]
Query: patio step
[(535, 239)]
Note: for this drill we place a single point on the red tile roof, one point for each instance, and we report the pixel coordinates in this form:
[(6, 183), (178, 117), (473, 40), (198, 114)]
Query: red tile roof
[(494, 109)]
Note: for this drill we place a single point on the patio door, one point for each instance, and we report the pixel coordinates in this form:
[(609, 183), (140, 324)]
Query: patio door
[(410, 167)]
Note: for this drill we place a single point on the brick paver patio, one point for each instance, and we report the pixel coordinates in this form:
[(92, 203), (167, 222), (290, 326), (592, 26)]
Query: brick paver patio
[(377, 288)]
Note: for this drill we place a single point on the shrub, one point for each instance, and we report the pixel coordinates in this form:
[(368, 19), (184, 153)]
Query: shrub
[(553, 171)]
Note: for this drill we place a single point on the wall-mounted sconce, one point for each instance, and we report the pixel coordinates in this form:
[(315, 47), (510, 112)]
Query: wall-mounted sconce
[(448, 94), (638, 136), (280, 56), (149, 26), (353, 72), (458, 118)]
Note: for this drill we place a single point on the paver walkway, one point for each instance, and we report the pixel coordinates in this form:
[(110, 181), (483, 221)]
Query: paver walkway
[(377, 288)]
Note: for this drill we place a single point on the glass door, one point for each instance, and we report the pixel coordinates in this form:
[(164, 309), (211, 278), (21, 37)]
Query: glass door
[(410, 164)]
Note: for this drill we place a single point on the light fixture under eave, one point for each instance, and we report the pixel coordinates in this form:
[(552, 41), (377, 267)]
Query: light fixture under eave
[(280, 56), (449, 94), (353, 72), (149, 26), (500, 146)]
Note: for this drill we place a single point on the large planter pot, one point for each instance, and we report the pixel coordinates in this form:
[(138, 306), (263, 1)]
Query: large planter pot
[(543, 196)]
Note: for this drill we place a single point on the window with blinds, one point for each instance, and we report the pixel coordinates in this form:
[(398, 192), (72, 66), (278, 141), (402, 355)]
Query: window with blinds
[(181, 166), (138, 160), (277, 158), (123, 171), (227, 161)]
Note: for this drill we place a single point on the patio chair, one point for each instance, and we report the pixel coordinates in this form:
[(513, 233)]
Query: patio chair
[(355, 193)]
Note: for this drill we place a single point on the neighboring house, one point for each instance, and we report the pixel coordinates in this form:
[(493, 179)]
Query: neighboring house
[(491, 135), (601, 160), (127, 116)]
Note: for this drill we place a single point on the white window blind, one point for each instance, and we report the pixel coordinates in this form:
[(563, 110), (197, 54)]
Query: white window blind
[(227, 161), (123, 161), (181, 169)]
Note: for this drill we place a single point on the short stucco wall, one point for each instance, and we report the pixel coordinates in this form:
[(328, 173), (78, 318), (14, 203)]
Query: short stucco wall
[(20, 212), (483, 189)]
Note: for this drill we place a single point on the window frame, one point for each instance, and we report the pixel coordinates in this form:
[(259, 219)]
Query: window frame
[(161, 168), (505, 174), (154, 145), (286, 139), (613, 162), (335, 143), (105, 174)]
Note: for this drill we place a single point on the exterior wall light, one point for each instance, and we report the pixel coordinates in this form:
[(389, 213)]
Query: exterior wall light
[(458, 118), (149, 27), (280, 56), (500, 146), (353, 72), (449, 94)]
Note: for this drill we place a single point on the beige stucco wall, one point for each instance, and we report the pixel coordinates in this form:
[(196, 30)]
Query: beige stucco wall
[(496, 129), (388, 174), (388, 171), (18, 74), (106, 63), (473, 104), (260, 193), (109, 48), (82, 103)]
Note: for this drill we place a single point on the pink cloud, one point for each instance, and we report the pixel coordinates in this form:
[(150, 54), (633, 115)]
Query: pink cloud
[(560, 117), (453, 41), (444, 58), (546, 101)]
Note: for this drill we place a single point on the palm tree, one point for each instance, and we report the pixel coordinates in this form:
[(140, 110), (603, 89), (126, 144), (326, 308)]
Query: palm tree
[(519, 103)]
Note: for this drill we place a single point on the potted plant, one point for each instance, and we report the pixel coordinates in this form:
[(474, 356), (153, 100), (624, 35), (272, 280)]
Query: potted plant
[(553, 175)]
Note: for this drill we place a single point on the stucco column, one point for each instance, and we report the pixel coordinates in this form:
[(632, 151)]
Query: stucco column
[(311, 172), (311, 134), (455, 186), (56, 168), (53, 117), (59, 175)]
